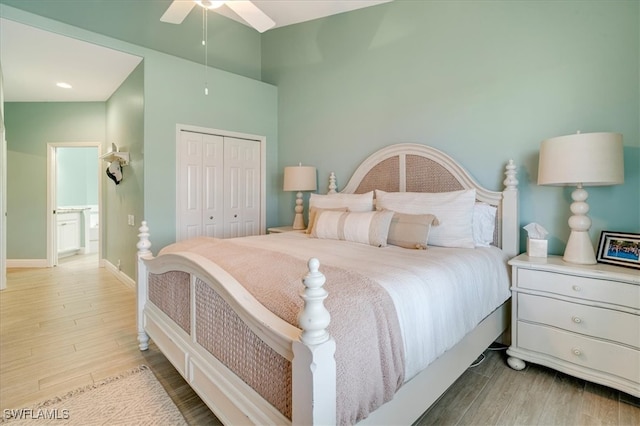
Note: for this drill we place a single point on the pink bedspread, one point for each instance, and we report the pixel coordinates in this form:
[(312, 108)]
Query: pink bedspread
[(369, 350)]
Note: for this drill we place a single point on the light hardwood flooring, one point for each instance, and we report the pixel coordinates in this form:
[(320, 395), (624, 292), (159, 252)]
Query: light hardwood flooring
[(73, 325)]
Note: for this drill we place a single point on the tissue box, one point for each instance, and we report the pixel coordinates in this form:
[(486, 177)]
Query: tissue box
[(536, 247)]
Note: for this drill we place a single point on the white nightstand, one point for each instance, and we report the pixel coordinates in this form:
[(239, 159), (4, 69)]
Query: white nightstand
[(281, 229), (583, 320)]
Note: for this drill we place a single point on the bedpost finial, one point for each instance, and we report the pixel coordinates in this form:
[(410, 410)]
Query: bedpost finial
[(332, 183), (314, 265), (143, 239), (314, 317), (510, 182)]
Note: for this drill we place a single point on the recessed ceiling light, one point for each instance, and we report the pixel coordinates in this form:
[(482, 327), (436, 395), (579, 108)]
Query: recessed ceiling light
[(63, 85)]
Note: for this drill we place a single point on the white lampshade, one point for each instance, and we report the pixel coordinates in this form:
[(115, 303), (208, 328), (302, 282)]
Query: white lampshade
[(589, 159), (583, 159), (300, 178)]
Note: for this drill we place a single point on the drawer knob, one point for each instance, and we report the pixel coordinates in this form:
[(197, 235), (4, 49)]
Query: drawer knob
[(577, 320), (576, 351), (576, 288)]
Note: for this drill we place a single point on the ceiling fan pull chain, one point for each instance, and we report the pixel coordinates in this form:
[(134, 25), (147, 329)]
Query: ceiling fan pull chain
[(205, 40)]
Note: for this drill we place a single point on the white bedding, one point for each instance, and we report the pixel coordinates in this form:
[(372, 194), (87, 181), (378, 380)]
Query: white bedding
[(440, 294)]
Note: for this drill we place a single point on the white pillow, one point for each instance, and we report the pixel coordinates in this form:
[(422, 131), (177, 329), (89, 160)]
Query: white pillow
[(361, 227), (454, 211), (484, 223), (353, 203)]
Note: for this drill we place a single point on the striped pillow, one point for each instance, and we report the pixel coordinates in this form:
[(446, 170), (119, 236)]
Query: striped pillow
[(361, 227), (353, 203)]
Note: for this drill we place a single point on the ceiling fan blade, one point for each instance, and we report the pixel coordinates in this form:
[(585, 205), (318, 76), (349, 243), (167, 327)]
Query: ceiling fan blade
[(177, 11), (251, 14)]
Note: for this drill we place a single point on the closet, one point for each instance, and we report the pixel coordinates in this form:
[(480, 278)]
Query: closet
[(219, 186)]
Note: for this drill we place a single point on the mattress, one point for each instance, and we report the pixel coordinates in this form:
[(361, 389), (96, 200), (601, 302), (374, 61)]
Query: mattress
[(440, 294)]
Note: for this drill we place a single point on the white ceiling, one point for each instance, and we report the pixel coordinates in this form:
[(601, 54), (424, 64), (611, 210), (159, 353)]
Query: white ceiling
[(33, 60)]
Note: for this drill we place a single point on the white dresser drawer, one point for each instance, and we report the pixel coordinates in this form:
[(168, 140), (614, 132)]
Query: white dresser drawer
[(580, 350), (615, 292), (589, 320)]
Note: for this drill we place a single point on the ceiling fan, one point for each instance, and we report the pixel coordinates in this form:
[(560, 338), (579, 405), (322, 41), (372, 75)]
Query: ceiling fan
[(179, 9)]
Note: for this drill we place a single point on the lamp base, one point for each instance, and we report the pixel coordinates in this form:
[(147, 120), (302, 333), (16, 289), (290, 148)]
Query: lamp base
[(298, 219), (579, 249)]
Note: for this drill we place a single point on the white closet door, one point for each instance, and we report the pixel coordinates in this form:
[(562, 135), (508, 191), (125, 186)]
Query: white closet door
[(242, 187), (200, 168), (219, 186), (213, 181)]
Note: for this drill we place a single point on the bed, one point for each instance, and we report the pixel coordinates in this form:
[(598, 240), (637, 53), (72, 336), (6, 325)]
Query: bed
[(353, 322)]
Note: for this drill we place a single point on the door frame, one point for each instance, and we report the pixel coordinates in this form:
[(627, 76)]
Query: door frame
[(224, 133), (3, 200), (52, 165)]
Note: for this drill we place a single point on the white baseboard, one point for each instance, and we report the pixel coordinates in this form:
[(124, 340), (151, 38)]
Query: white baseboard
[(27, 263), (124, 278)]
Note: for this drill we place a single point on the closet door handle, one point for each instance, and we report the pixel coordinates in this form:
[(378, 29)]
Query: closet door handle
[(577, 320)]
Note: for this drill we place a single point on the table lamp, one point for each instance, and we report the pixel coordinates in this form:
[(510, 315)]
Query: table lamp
[(299, 178), (582, 159)]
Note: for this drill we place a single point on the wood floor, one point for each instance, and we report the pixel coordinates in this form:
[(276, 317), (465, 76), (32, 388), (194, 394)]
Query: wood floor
[(73, 325)]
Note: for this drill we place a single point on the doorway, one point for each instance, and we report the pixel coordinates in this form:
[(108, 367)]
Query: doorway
[(74, 201)]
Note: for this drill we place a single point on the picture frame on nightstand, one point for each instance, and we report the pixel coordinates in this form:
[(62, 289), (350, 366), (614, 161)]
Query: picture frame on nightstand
[(619, 248)]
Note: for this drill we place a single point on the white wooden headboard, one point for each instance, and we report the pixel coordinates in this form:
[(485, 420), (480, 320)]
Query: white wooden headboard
[(410, 167)]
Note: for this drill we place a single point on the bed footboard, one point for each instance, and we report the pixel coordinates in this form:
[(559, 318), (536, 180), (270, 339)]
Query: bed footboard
[(309, 350)]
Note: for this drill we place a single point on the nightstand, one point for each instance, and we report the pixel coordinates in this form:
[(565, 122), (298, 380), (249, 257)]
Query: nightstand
[(583, 320), (281, 229)]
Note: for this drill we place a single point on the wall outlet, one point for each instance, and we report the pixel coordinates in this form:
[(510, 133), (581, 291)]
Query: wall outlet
[(131, 221), (119, 266)]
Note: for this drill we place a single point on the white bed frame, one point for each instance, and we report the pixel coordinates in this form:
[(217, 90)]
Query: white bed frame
[(310, 348)]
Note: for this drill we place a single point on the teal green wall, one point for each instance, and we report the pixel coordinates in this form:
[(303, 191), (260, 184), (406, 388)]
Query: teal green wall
[(125, 128), (484, 81), (174, 93), (77, 180), (29, 128)]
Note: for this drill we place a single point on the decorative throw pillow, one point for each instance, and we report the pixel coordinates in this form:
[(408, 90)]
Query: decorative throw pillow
[(454, 211), (353, 202), (361, 227), (313, 215), (410, 230), (484, 223)]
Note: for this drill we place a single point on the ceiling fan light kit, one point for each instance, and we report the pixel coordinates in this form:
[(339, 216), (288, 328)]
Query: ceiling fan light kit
[(209, 4)]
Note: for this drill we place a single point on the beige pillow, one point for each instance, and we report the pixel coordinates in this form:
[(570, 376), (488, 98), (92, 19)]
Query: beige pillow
[(313, 215), (361, 227), (410, 230)]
